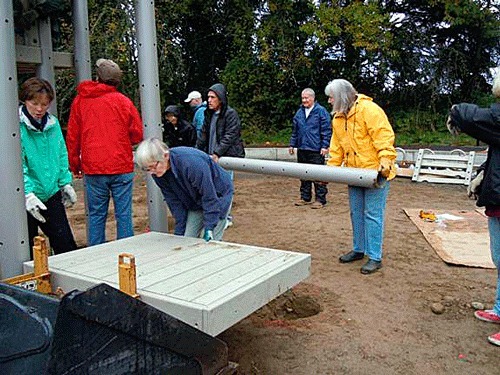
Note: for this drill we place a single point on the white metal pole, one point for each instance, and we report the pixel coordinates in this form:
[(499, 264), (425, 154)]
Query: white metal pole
[(82, 63), (14, 244), (82, 44), (150, 101), (46, 69), (351, 176)]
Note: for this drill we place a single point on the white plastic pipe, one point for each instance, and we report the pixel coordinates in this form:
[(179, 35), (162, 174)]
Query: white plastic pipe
[(351, 176)]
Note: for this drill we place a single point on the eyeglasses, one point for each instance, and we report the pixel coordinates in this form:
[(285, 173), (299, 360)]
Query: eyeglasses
[(150, 168)]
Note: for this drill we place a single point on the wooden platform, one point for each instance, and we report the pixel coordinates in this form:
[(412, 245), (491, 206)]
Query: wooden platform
[(210, 286)]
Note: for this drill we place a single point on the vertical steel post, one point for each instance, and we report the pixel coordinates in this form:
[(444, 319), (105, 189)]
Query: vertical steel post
[(14, 244), (82, 62), (46, 69), (150, 101), (82, 44)]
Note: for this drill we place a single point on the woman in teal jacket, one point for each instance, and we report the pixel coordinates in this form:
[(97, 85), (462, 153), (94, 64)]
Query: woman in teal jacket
[(47, 179)]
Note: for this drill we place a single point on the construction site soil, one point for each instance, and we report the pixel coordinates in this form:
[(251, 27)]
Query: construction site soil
[(339, 321)]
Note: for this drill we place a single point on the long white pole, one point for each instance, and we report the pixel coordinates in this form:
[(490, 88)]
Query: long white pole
[(350, 176)]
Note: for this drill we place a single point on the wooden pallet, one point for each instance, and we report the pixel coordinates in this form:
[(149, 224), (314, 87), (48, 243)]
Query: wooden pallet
[(455, 168)]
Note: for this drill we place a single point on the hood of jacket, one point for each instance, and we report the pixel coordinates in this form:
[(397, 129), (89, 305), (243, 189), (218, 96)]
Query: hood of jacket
[(173, 109), (360, 99), (94, 89), (51, 120), (220, 91)]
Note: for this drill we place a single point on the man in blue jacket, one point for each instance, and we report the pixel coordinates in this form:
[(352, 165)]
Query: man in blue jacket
[(311, 134), (197, 190), (198, 106)]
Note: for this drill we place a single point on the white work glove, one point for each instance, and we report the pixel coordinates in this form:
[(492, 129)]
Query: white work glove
[(473, 188), (34, 205), (68, 195), (452, 128)]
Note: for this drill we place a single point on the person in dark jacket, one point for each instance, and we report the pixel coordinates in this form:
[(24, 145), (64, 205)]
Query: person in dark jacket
[(311, 134), (197, 190), (484, 125), (221, 131), (176, 130)]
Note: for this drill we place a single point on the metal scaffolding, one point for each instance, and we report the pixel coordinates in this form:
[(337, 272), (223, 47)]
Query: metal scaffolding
[(14, 244)]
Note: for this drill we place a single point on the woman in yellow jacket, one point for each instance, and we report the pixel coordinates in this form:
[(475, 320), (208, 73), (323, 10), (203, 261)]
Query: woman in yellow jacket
[(362, 138)]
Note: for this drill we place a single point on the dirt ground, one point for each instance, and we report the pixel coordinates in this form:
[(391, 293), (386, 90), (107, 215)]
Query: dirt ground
[(357, 324)]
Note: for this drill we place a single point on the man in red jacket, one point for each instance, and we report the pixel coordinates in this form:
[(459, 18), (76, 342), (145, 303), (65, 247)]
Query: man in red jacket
[(103, 126)]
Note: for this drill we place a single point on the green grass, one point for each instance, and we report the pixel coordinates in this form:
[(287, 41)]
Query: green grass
[(256, 138), (433, 138)]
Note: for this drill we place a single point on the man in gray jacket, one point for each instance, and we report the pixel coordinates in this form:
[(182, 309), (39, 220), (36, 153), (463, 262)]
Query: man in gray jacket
[(221, 131)]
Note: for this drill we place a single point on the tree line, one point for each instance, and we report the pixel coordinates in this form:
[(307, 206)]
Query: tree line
[(415, 58)]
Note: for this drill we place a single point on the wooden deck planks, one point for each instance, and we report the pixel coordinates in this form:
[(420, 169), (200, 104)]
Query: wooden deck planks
[(210, 286)]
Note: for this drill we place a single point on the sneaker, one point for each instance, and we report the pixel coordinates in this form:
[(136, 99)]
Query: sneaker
[(302, 203), (317, 205), (495, 339), (487, 316)]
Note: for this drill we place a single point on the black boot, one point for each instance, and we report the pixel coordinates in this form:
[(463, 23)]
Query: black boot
[(371, 266), (351, 256)]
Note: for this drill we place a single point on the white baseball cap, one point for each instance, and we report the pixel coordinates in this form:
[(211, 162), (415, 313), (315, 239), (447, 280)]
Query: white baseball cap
[(193, 95)]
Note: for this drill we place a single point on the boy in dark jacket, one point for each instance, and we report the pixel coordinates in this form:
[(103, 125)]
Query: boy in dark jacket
[(176, 130)]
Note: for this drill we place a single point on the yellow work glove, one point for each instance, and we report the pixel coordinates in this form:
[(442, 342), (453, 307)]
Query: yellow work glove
[(385, 167)]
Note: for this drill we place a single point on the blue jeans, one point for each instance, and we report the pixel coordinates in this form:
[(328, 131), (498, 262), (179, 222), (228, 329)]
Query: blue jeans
[(494, 229), (229, 214), (99, 188), (367, 207), (195, 228)]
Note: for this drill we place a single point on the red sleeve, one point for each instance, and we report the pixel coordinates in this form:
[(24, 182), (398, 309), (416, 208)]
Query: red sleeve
[(73, 138)]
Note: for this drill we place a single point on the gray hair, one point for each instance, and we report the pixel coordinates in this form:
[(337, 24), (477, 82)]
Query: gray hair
[(496, 84), (149, 151), (309, 91), (343, 94)]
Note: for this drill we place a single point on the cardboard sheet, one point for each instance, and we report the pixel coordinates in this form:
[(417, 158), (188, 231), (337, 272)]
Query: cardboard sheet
[(458, 237)]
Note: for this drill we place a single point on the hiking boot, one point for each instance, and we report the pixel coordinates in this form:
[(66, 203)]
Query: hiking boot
[(371, 266), (317, 205), (487, 316), (351, 256), (302, 203), (495, 339)]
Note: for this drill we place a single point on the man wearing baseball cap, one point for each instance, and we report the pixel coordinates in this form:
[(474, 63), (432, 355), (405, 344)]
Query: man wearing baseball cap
[(198, 106), (103, 126)]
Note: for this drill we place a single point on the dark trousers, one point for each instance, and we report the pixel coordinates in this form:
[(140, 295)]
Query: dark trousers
[(56, 226), (312, 157)]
